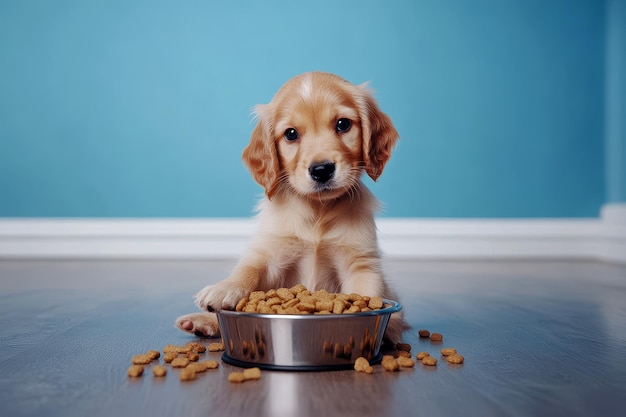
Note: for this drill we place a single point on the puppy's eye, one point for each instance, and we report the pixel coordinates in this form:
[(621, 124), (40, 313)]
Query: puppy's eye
[(291, 134), (343, 125)]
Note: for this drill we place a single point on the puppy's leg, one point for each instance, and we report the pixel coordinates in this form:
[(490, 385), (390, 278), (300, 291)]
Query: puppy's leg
[(199, 324), (363, 275), (244, 279)]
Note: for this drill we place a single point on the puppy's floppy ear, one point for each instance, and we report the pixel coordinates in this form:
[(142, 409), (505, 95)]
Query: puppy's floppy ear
[(261, 156), (379, 135)]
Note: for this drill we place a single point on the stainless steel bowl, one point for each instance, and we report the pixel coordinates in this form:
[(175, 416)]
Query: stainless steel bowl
[(303, 342)]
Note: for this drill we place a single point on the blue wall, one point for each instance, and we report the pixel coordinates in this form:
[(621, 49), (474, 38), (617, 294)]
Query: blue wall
[(142, 108), (616, 101)]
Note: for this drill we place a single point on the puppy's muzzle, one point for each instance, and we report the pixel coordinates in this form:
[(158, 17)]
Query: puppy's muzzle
[(322, 172)]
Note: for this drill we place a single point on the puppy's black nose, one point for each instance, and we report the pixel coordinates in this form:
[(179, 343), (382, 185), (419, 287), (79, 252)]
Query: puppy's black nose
[(322, 172)]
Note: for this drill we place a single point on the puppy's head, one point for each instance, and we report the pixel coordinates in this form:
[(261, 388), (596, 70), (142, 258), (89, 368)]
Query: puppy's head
[(316, 137)]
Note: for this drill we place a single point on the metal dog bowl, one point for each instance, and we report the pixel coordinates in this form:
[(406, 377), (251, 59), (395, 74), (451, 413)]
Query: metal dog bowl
[(310, 342)]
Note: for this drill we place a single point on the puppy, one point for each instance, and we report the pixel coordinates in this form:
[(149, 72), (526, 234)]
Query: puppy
[(308, 151)]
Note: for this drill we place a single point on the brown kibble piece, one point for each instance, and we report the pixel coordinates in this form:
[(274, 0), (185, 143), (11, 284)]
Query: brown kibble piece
[(285, 294), (448, 351), (403, 346), (154, 354), (353, 309), (405, 362), (296, 289), (249, 308), (429, 360), (257, 295), (338, 306), (197, 366), (141, 359), (324, 305), (252, 373), (187, 374), (362, 365), (159, 371), (436, 337), (422, 355), (352, 297), (216, 347), (274, 301), (193, 356), (135, 371), (169, 357), (176, 349), (424, 333), (402, 353), (236, 377), (390, 363), (241, 304), (180, 362), (210, 364), (309, 308), (375, 303), (455, 358)]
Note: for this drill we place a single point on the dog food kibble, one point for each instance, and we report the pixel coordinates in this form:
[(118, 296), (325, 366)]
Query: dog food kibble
[(403, 347), (422, 355), (177, 349), (252, 373), (180, 362), (193, 356), (195, 347), (187, 374), (135, 371), (159, 371), (154, 354), (169, 357), (424, 333), (141, 359), (197, 366), (429, 360), (241, 304), (455, 358), (402, 353), (362, 365), (236, 377), (216, 347), (390, 363), (299, 300), (297, 289), (375, 303), (246, 375), (405, 362), (448, 351), (436, 337), (210, 364)]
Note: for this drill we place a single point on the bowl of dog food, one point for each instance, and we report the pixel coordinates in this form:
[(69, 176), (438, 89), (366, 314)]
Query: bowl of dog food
[(299, 330)]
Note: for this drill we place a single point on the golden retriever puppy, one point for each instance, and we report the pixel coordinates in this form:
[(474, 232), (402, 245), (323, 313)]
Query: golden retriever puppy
[(309, 149)]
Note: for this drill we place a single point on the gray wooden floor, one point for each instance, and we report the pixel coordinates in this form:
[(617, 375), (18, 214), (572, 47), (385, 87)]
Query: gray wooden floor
[(539, 338)]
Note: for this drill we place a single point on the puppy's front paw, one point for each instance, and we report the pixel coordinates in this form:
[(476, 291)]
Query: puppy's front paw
[(221, 296), (199, 324)]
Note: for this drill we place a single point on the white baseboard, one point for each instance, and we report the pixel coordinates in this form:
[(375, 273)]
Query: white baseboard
[(601, 238)]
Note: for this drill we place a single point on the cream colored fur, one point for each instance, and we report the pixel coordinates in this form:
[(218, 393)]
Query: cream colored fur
[(318, 233)]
